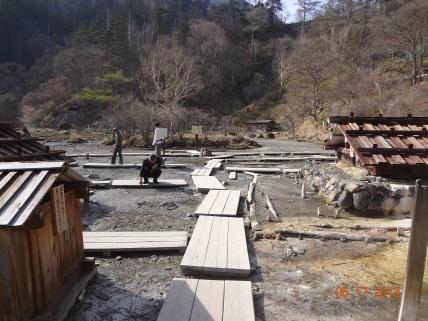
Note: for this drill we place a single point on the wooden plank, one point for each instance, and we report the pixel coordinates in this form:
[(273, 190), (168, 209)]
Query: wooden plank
[(416, 257), (59, 209), (135, 183), (272, 170), (22, 198), (135, 165), (207, 203), (238, 301), (210, 237), (178, 304), (232, 175), (5, 180), (134, 241), (216, 255), (232, 205), (237, 255), (198, 243), (202, 172), (219, 203), (206, 183), (208, 303), (20, 166), (8, 303), (36, 271)]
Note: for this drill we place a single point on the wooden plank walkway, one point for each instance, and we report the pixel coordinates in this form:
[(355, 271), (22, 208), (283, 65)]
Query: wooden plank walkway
[(130, 165), (134, 241), (202, 172), (220, 203), (205, 183), (208, 300), (168, 154), (265, 170), (135, 183), (218, 247), (214, 163)]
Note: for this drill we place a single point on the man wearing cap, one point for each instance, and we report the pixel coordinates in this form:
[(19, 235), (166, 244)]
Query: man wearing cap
[(117, 148), (151, 168)]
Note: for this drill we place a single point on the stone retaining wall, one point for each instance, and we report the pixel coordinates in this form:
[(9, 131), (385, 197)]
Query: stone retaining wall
[(367, 195)]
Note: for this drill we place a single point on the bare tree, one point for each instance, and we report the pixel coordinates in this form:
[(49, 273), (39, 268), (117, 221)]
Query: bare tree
[(310, 69), (406, 32), (306, 9)]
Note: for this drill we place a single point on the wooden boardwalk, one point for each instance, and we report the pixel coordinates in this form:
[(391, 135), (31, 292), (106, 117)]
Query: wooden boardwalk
[(214, 163), (220, 203), (205, 183), (129, 165), (218, 247), (135, 183), (264, 170), (134, 241), (202, 172), (208, 300)]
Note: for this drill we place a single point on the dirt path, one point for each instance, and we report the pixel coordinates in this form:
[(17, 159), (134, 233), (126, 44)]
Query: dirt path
[(292, 279)]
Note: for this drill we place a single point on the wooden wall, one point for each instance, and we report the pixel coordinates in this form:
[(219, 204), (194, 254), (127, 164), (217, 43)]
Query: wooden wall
[(36, 263)]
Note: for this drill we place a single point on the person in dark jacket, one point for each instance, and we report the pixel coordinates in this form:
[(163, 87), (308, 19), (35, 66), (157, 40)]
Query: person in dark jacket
[(118, 140), (151, 168)]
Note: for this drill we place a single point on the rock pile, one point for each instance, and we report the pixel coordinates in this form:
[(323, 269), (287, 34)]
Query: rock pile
[(367, 195)]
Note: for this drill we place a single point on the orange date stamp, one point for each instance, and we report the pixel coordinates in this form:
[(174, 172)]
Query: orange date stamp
[(362, 293)]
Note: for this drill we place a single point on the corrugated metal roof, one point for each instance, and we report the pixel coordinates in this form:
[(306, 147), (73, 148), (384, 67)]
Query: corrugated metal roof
[(24, 185)]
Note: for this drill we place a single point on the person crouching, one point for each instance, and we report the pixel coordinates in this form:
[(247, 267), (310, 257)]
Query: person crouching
[(151, 168)]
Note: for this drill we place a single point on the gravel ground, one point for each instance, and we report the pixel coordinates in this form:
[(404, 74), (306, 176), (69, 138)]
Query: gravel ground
[(292, 279)]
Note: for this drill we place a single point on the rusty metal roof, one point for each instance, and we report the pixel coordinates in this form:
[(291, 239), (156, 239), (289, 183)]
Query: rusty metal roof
[(383, 144), (23, 186), (17, 146)]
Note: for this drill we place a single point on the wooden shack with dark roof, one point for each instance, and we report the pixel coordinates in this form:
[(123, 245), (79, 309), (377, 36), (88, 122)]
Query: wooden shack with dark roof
[(395, 147), (42, 264), (17, 144)]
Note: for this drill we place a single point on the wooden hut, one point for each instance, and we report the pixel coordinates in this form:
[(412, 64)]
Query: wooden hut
[(41, 242), (263, 125)]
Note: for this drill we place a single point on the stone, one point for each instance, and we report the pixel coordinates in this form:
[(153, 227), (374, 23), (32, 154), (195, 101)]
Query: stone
[(388, 205), (361, 200), (345, 200), (333, 196), (118, 258), (369, 188), (406, 204), (352, 187), (93, 176), (376, 200)]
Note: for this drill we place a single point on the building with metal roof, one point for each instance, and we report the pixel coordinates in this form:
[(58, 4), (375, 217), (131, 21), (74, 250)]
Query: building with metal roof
[(394, 147)]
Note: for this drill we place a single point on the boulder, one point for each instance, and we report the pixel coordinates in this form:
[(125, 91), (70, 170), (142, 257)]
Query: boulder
[(333, 195), (345, 200), (376, 200), (361, 200), (352, 187), (388, 205), (406, 204)]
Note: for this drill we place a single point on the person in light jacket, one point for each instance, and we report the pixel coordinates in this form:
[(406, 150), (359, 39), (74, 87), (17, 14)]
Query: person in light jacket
[(158, 142)]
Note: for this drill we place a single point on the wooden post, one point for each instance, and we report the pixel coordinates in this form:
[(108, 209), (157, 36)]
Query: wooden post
[(416, 256), (196, 141)]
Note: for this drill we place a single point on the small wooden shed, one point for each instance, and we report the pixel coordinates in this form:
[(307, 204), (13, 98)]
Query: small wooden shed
[(41, 241), (263, 125)]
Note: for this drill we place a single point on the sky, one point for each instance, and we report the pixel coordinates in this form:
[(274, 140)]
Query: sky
[(291, 8)]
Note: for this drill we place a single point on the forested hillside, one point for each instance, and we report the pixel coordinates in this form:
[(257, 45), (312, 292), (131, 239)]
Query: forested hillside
[(129, 62)]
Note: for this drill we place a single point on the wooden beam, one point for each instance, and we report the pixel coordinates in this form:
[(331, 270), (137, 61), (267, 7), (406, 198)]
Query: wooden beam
[(416, 256), (390, 151), (387, 132), (17, 140), (17, 157)]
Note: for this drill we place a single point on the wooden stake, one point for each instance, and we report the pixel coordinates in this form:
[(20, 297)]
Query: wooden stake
[(416, 257), (273, 217)]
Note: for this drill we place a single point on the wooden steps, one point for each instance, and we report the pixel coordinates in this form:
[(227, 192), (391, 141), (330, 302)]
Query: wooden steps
[(208, 300), (135, 183), (220, 203), (130, 165), (134, 241), (205, 183), (202, 172), (218, 247)]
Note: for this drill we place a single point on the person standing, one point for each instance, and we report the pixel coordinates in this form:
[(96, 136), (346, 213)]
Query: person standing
[(158, 141), (151, 168), (117, 148)]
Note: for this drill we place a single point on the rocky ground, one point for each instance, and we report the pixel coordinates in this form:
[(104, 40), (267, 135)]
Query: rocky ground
[(293, 279)]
